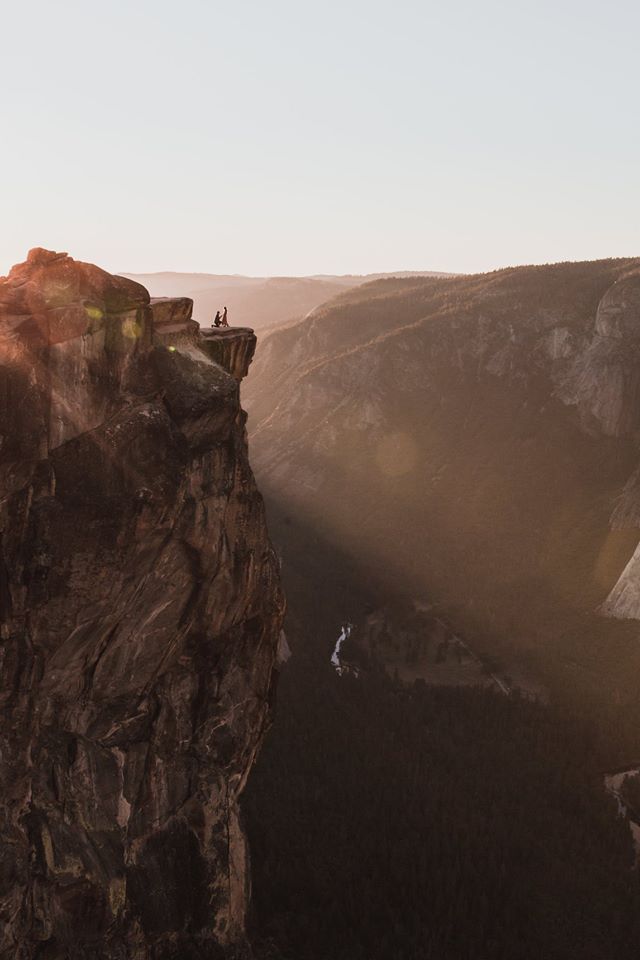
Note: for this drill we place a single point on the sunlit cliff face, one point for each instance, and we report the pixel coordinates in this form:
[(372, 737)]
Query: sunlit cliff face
[(57, 320)]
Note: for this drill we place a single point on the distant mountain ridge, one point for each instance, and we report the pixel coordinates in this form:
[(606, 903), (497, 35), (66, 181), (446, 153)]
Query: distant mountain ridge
[(259, 302)]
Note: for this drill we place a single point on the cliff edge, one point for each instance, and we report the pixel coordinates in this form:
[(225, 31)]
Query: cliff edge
[(140, 610)]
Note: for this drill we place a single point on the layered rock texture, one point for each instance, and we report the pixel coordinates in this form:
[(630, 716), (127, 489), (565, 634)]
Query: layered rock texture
[(474, 442), (140, 612)]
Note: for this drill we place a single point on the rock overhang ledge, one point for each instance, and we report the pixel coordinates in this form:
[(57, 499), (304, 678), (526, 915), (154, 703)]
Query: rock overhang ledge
[(232, 348)]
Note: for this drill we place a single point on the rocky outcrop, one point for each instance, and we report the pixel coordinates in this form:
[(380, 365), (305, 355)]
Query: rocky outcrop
[(172, 320), (604, 377), (232, 348), (623, 602), (140, 615), (604, 383)]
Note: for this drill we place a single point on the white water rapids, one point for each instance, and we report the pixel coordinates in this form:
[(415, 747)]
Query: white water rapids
[(613, 783), (345, 633)]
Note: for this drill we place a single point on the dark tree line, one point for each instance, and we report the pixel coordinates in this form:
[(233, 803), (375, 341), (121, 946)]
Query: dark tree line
[(432, 823)]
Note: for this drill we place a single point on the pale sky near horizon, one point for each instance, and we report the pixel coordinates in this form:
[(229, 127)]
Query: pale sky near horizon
[(348, 136)]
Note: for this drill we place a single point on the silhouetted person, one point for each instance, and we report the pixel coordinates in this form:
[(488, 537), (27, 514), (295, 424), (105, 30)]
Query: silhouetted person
[(225, 322), (217, 320)]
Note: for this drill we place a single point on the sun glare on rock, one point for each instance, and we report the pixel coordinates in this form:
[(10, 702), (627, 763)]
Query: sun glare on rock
[(93, 312), (132, 329)]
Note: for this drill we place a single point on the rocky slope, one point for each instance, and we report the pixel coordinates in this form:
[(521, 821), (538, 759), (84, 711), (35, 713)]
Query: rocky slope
[(473, 443), (140, 612)]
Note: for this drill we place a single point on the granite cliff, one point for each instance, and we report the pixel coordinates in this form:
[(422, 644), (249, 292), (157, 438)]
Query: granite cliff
[(471, 442), (140, 610)]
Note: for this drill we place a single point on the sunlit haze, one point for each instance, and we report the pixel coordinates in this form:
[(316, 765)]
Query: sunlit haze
[(277, 138)]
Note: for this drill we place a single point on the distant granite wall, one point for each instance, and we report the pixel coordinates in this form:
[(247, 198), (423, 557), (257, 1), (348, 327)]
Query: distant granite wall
[(455, 384), (140, 611)]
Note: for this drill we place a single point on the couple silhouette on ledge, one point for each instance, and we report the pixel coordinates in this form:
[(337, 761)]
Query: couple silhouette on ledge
[(220, 319)]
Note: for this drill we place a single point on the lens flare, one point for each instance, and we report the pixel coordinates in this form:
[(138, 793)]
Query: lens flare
[(132, 329), (93, 312), (396, 454)]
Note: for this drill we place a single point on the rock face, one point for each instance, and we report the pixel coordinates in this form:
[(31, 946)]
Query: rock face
[(473, 441), (604, 377), (232, 348), (140, 612)]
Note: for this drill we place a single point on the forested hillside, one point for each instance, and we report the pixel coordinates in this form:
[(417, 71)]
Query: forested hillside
[(433, 823)]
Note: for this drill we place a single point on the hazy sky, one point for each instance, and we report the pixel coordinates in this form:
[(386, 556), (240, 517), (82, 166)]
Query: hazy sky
[(284, 137)]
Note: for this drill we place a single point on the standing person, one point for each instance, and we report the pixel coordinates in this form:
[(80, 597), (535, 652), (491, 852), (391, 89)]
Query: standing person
[(217, 321), (225, 322)]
